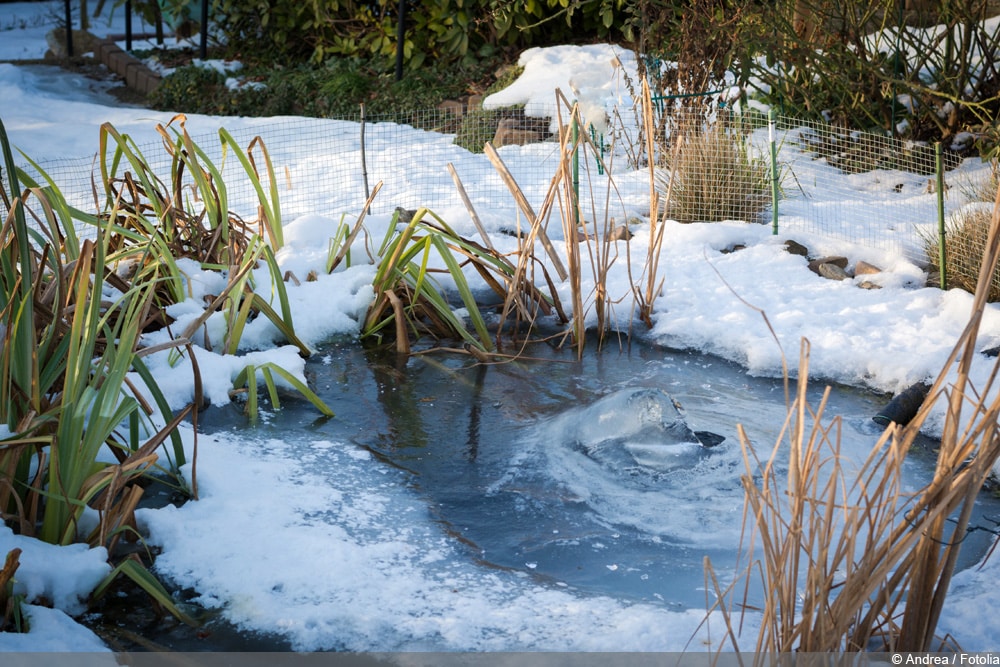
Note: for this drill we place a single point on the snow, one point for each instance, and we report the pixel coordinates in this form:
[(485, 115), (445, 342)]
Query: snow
[(396, 598)]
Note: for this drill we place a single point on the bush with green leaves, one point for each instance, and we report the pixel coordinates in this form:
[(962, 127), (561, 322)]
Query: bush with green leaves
[(460, 32), (192, 89), (335, 89), (452, 30)]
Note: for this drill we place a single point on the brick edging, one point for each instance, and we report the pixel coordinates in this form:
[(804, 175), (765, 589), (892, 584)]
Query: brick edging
[(136, 75)]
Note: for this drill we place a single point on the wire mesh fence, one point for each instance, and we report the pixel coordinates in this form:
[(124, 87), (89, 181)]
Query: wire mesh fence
[(714, 164)]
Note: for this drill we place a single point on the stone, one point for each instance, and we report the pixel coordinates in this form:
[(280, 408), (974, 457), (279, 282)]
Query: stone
[(404, 215), (455, 108), (796, 248), (867, 284), (127, 66), (832, 271), (83, 42), (620, 233), (509, 133), (863, 268), (836, 260)]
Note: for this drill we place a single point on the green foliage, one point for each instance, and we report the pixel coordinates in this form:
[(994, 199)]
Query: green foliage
[(459, 32), (407, 295), (153, 227), (335, 89), (835, 60), (560, 21), (134, 570), (247, 380), (453, 30), (189, 88), (70, 332), (70, 324)]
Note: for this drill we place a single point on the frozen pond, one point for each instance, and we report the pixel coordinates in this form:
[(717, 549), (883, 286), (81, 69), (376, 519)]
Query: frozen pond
[(510, 481)]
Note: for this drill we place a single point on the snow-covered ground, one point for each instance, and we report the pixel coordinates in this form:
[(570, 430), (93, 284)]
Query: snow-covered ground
[(263, 512)]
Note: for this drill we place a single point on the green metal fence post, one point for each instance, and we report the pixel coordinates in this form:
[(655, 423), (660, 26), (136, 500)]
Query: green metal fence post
[(772, 114), (939, 169)]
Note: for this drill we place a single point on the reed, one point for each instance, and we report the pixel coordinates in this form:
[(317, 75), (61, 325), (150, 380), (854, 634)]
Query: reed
[(645, 296), (590, 236), (69, 339), (847, 560), (592, 231), (411, 299)]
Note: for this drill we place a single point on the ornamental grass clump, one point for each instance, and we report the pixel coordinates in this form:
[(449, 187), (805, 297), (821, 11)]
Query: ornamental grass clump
[(158, 222), (965, 238), (964, 244), (82, 440), (712, 172)]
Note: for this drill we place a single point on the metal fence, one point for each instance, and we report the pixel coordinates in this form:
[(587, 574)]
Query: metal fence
[(868, 189)]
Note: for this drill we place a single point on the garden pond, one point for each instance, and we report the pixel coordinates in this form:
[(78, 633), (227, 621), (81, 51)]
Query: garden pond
[(557, 470)]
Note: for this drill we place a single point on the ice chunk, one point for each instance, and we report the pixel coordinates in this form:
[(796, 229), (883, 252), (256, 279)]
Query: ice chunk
[(639, 426)]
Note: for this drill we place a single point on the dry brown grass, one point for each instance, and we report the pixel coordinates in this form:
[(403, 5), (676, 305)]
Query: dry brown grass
[(847, 560), (965, 240), (713, 174)]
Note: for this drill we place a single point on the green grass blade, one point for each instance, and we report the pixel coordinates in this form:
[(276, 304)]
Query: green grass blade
[(301, 388), (248, 378), (265, 308), (125, 147), (270, 207), (66, 213), (143, 371), (236, 320), (145, 580), (278, 286), (464, 291), (272, 389)]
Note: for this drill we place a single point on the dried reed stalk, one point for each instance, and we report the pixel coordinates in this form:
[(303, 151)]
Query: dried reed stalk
[(646, 298), (536, 221), (849, 562)]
